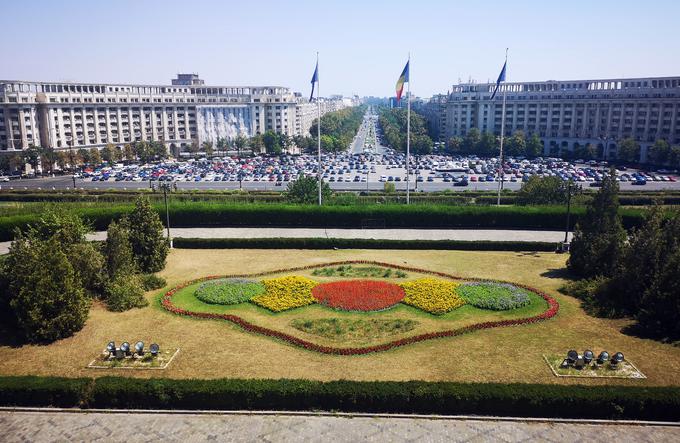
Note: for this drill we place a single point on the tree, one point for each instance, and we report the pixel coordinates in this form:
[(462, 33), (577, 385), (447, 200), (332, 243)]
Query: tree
[(421, 144), (454, 145), (241, 143), (305, 190), (88, 262), (517, 144), (157, 150), (659, 152), (543, 191), (272, 142), (628, 150), (149, 245), (48, 157), (534, 146), (32, 157), (256, 143), (118, 256), (95, 158), (471, 141), (488, 145), (84, 155), (62, 160), (46, 297), (194, 147), (208, 148), (599, 238), (128, 152), (108, 154), (67, 228)]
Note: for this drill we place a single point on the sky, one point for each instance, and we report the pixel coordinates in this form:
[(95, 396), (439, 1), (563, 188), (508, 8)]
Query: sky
[(362, 45)]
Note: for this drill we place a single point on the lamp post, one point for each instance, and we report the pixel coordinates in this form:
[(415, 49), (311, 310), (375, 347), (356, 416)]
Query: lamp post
[(166, 187), (571, 189)]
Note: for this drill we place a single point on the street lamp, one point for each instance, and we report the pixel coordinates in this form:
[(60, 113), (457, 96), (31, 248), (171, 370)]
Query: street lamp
[(166, 187), (571, 190)]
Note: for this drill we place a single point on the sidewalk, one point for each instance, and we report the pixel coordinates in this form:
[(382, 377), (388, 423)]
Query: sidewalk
[(381, 234), (20, 426)]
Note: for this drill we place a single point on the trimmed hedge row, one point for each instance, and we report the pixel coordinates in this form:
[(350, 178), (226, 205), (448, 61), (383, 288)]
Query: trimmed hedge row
[(205, 214), (495, 399), (359, 243)]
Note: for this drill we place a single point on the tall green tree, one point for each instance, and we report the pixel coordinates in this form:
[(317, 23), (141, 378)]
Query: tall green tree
[(543, 191), (208, 148), (272, 142), (534, 146), (305, 190), (599, 239), (628, 150), (240, 142), (471, 141), (46, 298), (149, 245), (659, 152), (95, 157), (517, 144), (118, 255)]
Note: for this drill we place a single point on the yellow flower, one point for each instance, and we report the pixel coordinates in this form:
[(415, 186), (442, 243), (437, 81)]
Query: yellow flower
[(286, 293), (432, 295)]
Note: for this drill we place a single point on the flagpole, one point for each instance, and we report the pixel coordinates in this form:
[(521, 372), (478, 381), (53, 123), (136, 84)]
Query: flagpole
[(318, 127), (408, 133), (500, 155)]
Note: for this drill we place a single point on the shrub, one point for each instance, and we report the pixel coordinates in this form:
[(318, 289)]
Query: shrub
[(432, 295), (149, 245), (358, 295), (118, 253), (43, 391), (306, 190), (151, 282), (228, 291), (286, 293), (47, 298), (494, 296), (88, 263), (125, 292)]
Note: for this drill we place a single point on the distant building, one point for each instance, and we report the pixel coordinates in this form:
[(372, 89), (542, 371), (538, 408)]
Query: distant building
[(86, 115), (566, 114)]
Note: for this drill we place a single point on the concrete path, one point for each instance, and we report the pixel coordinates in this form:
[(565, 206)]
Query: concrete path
[(126, 427), (384, 234)]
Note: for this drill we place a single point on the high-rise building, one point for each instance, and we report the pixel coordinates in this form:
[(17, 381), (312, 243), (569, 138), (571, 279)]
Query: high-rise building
[(86, 115), (566, 114)]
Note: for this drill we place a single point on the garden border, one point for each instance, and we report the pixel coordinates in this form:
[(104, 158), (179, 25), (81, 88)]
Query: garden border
[(166, 303)]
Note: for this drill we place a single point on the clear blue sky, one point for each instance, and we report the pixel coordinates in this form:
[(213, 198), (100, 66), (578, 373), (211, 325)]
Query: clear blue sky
[(363, 45)]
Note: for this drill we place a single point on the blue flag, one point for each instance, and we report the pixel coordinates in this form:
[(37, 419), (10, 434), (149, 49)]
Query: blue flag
[(315, 79), (501, 78)]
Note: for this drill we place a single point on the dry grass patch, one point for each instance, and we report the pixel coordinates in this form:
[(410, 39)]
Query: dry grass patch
[(212, 349)]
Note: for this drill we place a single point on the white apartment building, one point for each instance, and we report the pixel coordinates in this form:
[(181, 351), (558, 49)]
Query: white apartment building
[(85, 115), (566, 114)]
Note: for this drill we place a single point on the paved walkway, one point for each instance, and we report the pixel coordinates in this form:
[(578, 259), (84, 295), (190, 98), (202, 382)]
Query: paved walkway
[(137, 427), (383, 234)]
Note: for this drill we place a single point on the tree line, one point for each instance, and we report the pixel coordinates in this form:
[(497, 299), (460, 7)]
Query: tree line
[(487, 144), (632, 275), (393, 124), (52, 274)]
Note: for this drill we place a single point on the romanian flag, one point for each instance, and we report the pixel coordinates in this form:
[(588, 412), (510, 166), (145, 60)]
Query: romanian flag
[(403, 78)]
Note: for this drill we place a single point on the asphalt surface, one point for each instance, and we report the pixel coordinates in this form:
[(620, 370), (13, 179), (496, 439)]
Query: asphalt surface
[(130, 426), (66, 182)]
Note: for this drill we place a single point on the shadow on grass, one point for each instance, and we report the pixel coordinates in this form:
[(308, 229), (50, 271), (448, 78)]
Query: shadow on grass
[(562, 273), (637, 331), (10, 336)]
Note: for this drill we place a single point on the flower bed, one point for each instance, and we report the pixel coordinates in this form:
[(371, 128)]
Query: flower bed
[(432, 295), (286, 293), (358, 295), (228, 291), (166, 302), (494, 296)]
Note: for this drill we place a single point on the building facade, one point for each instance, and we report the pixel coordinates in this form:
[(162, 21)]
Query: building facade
[(567, 114), (86, 115)]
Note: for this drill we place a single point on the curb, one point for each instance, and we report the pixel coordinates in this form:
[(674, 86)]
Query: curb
[(343, 415)]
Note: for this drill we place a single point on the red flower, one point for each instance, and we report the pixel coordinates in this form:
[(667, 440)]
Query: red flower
[(358, 295)]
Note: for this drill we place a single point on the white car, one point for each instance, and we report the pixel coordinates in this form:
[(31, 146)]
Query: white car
[(4, 178)]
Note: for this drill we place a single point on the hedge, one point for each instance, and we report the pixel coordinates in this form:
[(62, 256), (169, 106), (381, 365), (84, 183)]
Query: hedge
[(211, 214), (359, 243), (43, 391), (411, 397)]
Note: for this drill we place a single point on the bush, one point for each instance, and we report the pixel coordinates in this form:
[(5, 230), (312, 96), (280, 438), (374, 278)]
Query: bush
[(306, 190), (151, 282), (149, 245), (88, 263), (125, 292), (120, 260), (432, 295), (43, 391), (285, 293), (543, 191), (228, 291), (494, 296), (46, 297)]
